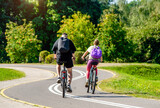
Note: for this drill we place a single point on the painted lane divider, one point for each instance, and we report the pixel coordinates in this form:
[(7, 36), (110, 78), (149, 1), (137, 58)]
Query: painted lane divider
[(54, 89)]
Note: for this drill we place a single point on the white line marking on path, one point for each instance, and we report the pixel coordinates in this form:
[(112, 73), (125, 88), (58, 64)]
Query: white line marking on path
[(54, 89)]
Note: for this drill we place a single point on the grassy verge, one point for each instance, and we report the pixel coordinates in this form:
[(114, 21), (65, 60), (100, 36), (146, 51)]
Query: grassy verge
[(9, 74), (134, 80)]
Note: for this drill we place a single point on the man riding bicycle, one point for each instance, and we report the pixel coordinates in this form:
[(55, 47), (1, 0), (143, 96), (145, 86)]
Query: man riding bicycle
[(64, 56)]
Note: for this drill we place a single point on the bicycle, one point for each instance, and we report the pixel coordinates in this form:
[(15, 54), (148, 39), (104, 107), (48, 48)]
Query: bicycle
[(92, 78), (64, 80)]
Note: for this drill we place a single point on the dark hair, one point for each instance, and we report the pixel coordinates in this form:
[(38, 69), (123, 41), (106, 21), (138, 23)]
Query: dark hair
[(96, 42)]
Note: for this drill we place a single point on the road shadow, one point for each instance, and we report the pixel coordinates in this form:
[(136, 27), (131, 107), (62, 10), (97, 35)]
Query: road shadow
[(101, 95)]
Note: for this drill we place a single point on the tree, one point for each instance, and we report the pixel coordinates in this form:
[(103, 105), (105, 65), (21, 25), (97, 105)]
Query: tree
[(147, 40), (112, 39), (22, 43), (79, 29)]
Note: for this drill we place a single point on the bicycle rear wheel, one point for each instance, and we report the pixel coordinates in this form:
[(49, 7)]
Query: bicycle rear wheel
[(90, 80), (93, 85), (63, 88)]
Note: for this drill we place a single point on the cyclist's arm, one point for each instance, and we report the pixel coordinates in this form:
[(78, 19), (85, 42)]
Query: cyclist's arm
[(54, 49), (84, 55), (101, 59), (73, 55)]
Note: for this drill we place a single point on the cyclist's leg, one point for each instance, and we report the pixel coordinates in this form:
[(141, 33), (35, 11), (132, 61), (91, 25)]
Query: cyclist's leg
[(69, 75), (69, 66), (58, 68), (89, 65)]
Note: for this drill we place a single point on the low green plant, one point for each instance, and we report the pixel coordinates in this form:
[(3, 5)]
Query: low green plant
[(135, 80), (78, 55), (49, 58), (9, 74), (43, 55)]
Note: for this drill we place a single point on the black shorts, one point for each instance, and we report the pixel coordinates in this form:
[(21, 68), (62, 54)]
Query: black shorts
[(68, 63)]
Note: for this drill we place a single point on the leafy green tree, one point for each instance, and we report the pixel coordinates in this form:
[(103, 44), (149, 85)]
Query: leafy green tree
[(22, 43), (147, 41), (112, 39), (79, 29)]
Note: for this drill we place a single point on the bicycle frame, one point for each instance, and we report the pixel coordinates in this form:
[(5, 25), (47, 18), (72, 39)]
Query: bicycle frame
[(92, 79)]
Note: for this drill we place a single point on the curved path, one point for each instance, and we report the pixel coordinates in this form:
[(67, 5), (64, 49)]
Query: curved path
[(47, 93)]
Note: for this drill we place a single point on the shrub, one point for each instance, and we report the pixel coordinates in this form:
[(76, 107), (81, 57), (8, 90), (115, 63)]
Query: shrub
[(43, 55), (22, 43), (49, 58), (78, 55)]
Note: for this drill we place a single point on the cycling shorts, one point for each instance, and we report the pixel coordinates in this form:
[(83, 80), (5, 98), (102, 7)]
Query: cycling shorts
[(68, 63)]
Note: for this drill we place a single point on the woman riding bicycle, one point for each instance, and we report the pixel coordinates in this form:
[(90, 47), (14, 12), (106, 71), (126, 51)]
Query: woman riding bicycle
[(91, 59)]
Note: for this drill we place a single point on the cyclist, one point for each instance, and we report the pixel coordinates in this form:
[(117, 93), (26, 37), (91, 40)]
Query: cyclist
[(91, 59), (67, 56)]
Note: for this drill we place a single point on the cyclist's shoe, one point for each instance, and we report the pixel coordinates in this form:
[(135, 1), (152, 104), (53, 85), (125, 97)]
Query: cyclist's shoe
[(86, 85), (96, 79), (59, 80), (69, 89)]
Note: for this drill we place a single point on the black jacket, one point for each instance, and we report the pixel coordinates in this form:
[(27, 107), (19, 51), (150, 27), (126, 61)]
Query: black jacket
[(64, 56)]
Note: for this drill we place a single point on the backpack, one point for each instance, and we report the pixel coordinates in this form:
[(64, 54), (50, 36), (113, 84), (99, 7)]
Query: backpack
[(63, 45), (96, 53)]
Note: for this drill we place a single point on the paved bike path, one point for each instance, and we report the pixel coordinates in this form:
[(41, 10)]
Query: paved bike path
[(39, 93)]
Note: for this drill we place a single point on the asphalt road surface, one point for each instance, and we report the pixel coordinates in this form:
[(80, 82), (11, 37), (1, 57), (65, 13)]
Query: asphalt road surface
[(48, 92)]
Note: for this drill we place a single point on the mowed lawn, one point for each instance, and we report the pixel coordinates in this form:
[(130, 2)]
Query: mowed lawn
[(134, 80), (9, 74)]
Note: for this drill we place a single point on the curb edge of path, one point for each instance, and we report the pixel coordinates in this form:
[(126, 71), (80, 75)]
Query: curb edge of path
[(99, 82), (24, 102)]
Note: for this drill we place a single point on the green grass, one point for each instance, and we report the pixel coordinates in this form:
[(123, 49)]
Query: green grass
[(134, 80), (9, 74)]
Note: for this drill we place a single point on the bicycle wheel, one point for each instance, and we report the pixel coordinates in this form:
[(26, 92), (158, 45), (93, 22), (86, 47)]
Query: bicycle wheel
[(93, 81), (63, 87), (89, 80), (89, 83)]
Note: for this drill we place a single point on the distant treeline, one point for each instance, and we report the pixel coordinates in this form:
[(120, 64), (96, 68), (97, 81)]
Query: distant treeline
[(128, 32)]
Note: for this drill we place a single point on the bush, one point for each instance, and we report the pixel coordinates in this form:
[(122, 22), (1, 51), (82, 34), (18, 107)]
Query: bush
[(43, 55), (78, 55), (49, 58), (22, 43)]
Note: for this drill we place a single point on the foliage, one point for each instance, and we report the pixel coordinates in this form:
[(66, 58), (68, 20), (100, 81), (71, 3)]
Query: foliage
[(147, 40), (43, 55), (112, 39), (22, 43), (78, 55), (49, 58), (3, 54), (79, 29)]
